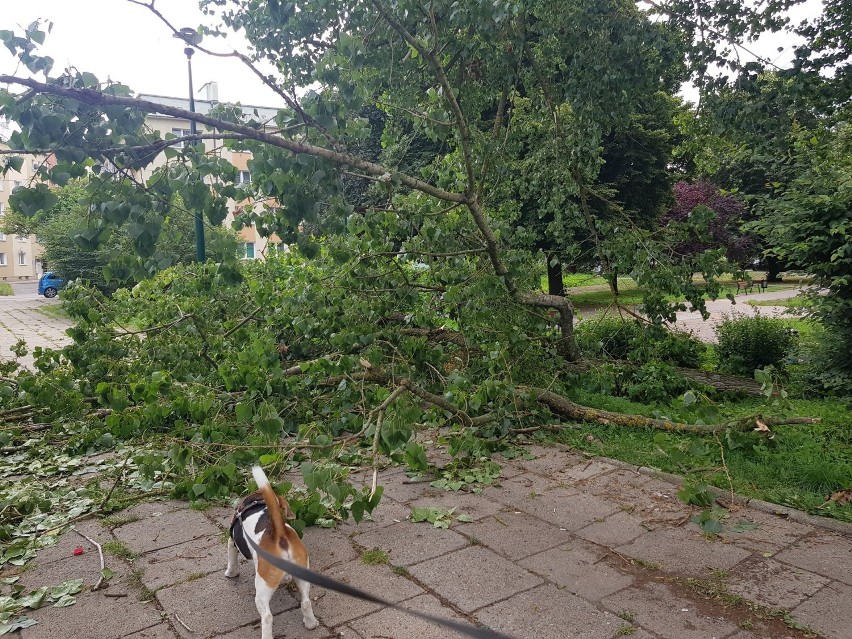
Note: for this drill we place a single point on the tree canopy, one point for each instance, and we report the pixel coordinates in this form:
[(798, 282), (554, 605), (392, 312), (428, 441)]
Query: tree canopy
[(490, 134)]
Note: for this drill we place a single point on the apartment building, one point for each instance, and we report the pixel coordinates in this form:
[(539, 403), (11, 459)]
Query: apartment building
[(20, 255), (254, 245)]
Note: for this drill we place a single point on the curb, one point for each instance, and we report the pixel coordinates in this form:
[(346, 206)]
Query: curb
[(786, 512)]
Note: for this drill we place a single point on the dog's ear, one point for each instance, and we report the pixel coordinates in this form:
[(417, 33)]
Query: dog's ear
[(285, 509)]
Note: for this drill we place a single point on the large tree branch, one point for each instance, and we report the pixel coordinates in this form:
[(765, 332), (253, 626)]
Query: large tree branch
[(267, 80), (449, 96), (96, 98)]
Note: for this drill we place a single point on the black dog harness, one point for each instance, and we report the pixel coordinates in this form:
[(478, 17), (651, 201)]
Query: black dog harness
[(249, 507)]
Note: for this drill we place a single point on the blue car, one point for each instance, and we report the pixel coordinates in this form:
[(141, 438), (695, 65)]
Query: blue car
[(49, 284)]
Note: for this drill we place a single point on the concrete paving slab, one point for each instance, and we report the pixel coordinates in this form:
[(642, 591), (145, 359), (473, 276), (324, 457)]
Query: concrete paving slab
[(63, 550), (387, 513), (828, 612), (575, 568), (518, 490), (617, 529), (173, 565), (215, 604), (86, 567), (93, 617), (515, 534), (474, 577), (160, 631), (407, 543), (153, 509), (475, 506), (401, 488), (221, 516), (287, 625), (582, 471), (169, 529), (655, 503), (680, 552), (328, 547), (772, 583), (333, 609), (656, 608), (773, 533), (615, 484), (393, 624), (549, 460), (569, 509), (822, 552), (549, 613)]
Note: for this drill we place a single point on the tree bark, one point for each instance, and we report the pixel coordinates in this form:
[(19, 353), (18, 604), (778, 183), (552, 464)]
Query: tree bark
[(555, 283), (719, 381)]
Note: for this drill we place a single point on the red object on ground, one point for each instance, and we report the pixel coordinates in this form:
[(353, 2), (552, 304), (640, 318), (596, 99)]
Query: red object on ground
[(78, 550)]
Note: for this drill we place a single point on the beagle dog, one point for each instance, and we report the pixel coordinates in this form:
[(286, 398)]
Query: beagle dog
[(261, 516)]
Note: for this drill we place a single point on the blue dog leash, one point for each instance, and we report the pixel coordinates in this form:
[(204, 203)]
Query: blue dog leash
[(338, 586)]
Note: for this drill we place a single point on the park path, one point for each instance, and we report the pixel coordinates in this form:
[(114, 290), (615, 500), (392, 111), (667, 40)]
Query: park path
[(692, 322), (20, 319), (564, 547)]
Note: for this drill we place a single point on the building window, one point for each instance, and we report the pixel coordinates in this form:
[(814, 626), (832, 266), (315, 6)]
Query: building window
[(16, 184), (2, 237), (21, 238), (2, 205), (244, 177), (181, 133), (248, 250), (2, 259), (22, 259)]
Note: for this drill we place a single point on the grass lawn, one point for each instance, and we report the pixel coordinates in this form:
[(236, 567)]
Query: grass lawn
[(589, 290), (790, 302), (799, 467), (6, 289), (54, 310)]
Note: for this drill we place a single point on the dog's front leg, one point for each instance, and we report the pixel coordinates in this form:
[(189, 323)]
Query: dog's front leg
[(262, 594), (233, 568)]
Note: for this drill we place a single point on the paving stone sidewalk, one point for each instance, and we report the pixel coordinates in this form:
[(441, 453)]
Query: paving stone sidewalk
[(20, 318), (564, 547)]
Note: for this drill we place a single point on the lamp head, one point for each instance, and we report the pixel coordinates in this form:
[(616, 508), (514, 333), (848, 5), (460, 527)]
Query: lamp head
[(189, 35)]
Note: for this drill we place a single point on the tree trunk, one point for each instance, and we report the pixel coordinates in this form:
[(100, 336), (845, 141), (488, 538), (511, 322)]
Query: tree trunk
[(773, 269), (719, 381), (555, 283), (612, 278)]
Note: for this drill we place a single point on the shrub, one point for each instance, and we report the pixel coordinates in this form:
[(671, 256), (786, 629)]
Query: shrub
[(619, 339), (749, 343), (653, 383), (672, 347), (608, 337)]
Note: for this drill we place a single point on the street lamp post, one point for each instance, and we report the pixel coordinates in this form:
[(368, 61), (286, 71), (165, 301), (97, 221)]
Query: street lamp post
[(192, 38)]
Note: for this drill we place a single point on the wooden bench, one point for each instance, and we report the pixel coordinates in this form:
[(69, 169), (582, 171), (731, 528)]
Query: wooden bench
[(745, 286), (748, 285)]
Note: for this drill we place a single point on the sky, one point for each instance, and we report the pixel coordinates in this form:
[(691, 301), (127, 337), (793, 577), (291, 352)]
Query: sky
[(124, 42)]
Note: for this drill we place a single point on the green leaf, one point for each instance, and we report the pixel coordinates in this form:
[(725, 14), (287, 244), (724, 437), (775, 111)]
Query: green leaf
[(18, 623), (65, 601)]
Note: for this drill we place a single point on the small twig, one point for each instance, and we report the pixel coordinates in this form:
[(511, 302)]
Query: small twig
[(242, 323), (180, 621), (117, 479), (115, 595), (380, 417), (100, 582)]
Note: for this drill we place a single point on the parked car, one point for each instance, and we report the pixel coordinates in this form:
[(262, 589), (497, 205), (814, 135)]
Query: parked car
[(49, 284)]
